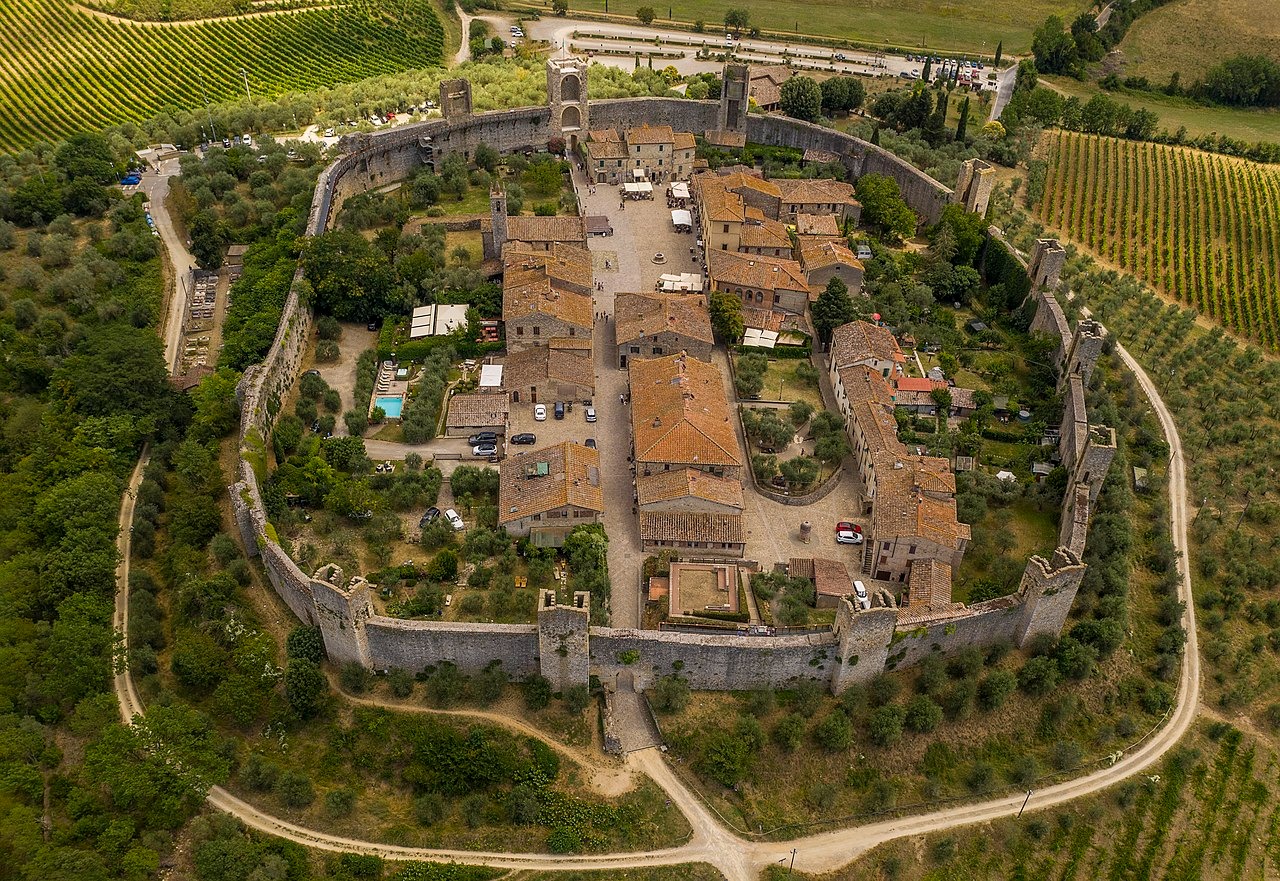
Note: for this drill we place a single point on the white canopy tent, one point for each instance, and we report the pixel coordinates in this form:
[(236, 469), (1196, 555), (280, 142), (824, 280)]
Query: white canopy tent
[(680, 190), (682, 218), (763, 339), (643, 187), (670, 283)]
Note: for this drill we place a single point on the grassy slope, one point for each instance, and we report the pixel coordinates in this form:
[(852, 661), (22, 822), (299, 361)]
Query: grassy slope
[(1190, 36), (1245, 125), (965, 25)]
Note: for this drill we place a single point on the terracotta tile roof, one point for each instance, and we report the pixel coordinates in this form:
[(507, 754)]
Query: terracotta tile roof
[(813, 154), (546, 229), (816, 191), (742, 180), (469, 410), (604, 135), (564, 264), (929, 583), (572, 477), (681, 483), (918, 384), (641, 315), (762, 319), (860, 341), (764, 233), (679, 413), (817, 225), (687, 527), (650, 134), (684, 141), (538, 296), (718, 138), (828, 254), (606, 150), (766, 83), (829, 577), (539, 363), (962, 398), (756, 271), (719, 203), (901, 509), (913, 398), (570, 343)]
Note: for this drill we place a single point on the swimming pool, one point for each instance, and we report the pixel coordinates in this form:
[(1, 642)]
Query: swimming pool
[(390, 404)]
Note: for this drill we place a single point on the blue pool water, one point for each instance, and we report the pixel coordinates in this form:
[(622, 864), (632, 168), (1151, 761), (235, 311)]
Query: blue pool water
[(391, 405)]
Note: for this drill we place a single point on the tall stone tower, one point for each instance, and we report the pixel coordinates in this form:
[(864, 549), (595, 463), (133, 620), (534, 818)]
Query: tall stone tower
[(497, 222), (973, 189), (1048, 589), (1086, 346), (1047, 259), (734, 94), (343, 608), (564, 650), (863, 639), (567, 95), (455, 98)]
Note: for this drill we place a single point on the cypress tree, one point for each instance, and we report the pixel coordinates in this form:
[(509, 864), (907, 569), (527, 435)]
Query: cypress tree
[(928, 67), (875, 135), (964, 120), (999, 52)]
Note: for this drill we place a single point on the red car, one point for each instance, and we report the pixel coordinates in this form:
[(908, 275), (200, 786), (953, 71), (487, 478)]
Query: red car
[(848, 533)]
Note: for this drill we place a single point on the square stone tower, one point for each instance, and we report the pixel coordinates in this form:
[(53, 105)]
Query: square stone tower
[(973, 189), (455, 98), (1047, 591), (342, 609), (1047, 259), (564, 651), (1086, 346), (497, 222), (567, 95), (732, 115), (863, 638)]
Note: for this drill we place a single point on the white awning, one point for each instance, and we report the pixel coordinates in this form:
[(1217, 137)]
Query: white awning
[(490, 376), (638, 173), (684, 281), (764, 339), (645, 187), (680, 217), (680, 190)]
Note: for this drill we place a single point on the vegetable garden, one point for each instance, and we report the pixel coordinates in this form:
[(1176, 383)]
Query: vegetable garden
[(64, 69), (1199, 227)]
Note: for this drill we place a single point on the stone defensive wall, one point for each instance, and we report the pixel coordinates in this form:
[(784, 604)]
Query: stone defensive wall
[(562, 646)]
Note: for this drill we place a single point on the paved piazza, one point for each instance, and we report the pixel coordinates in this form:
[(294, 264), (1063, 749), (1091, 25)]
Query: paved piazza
[(624, 264)]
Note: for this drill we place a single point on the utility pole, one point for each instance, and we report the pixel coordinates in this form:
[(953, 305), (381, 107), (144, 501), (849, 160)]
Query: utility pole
[(204, 94), (791, 867), (244, 73), (1024, 804)]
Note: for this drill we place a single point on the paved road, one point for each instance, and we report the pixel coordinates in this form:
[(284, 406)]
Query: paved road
[(155, 186), (1004, 91)]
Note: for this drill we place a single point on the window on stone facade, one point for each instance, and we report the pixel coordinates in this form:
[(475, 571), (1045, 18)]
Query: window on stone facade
[(519, 331), (537, 331), (724, 247), (635, 350), (759, 296), (657, 350), (911, 549), (661, 148), (726, 227), (571, 331)]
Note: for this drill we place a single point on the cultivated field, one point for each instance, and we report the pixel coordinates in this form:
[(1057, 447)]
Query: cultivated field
[(63, 68), (1191, 36), (960, 26), (1199, 227)]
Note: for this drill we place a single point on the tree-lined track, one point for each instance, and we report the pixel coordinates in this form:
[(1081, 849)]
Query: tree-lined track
[(1199, 227), (63, 68)]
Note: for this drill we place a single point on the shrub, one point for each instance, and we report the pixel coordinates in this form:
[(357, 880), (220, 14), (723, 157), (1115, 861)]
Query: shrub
[(400, 682), (339, 802), (995, 689), (671, 694), (1038, 676), (885, 725), (576, 699), (354, 678), (1067, 754), (259, 773), (537, 692), (429, 809), (923, 715), (294, 789), (835, 732), (789, 731)]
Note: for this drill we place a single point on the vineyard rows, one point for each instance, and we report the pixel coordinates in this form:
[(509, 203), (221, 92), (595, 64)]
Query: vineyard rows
[(63, 69), (1199, 227)]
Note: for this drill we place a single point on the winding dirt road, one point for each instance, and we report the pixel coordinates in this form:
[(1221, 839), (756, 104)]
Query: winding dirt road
[(711, 842)]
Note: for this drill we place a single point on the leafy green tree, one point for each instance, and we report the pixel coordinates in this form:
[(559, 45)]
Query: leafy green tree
[(537, 692), (725, 758), (883, 206), (835, 732), (801, 98), (833, 308), (350, 278), (670, 694), (1054, 49), (885, 725), (1039, 676), (923, 715), (726, 316), (789, 732), (87, 155), (646, 14), (737, 18), (576, 699), (800, 472), (305, 687), (995, 689)]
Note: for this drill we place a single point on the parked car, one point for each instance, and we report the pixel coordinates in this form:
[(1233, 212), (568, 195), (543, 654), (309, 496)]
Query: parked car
[(526, 438), (860, 591), (591, 443), (432, 514), (540, 412), (483, 437), (848, 534), (559, 409), (328, 133), (590, 414), (484, 449), (454, 520)]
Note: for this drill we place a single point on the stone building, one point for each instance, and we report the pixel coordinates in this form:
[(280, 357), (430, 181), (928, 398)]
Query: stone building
[(861, 342), (535, 310), (652, 325), (469, 414), (823, 262), (817, 196), (543, 494), (688, 489), (660, 152), (567, 95), (697, 532), (680, 417), (541, 374), (764, 282), (977, 180)]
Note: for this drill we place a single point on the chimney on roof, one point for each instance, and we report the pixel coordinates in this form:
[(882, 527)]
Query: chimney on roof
[(657, 422)]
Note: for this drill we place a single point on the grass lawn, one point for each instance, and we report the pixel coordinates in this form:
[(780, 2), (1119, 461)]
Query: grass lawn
[(1033, 532), (1175, 37), (781, 384), (936, 24), (476, 201), (470, 240), (1246, 125)]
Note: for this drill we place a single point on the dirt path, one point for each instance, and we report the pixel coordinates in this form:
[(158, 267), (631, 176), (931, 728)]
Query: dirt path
[(609, 780)]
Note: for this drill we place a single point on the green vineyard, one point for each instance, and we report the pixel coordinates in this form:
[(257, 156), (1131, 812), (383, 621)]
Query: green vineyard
[(63, 69), (1199, 227)]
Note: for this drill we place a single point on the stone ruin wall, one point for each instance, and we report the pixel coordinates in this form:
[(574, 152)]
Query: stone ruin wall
[(862, 643)]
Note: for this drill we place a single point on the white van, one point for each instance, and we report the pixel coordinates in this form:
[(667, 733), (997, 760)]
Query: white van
[(864, 598)]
